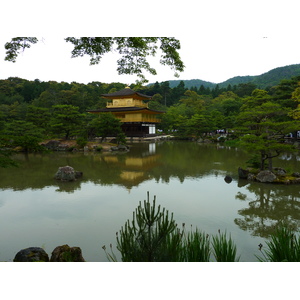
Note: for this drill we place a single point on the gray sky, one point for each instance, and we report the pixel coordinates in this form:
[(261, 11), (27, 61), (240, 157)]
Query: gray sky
[(219, 39)]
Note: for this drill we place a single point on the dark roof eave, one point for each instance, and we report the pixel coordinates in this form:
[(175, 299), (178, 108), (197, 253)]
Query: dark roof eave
[(119, 109)]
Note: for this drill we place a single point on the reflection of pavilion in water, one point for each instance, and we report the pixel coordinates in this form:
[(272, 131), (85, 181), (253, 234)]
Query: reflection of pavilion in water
[(134, 169)]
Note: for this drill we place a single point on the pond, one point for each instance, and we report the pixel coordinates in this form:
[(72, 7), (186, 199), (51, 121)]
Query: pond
[(187, 179)]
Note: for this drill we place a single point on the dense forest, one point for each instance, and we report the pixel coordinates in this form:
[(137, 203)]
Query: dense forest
[(32, 111)]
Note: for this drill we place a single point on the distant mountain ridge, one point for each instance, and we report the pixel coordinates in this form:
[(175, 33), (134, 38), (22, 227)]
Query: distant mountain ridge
[(268, 79)]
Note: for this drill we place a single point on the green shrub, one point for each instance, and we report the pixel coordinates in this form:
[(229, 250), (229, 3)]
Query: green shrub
[(81, 142), (153, 236), (196, 247), (224, 249), (283, 246)]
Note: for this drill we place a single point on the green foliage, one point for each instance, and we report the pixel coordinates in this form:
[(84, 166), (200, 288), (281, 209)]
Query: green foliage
[(196, 247), (121, 138), (81, 142), (104, 125), (23, 134), (38, 116), (193, 100), (151, 236), (200, 125), (134, 51), (5, 158), (191, 111), (263, 125), (283, 246), (99, 149), (16, 44), (254, 162), (66, 119), (224, 249)]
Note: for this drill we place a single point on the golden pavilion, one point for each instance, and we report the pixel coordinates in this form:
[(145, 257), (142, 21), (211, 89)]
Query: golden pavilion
[(129, 107)]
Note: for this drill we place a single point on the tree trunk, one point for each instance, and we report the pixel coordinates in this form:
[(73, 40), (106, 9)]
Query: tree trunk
[(263, 157), (270, 163)]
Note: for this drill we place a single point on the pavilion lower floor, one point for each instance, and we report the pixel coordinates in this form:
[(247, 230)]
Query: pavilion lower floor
[(132, 129)]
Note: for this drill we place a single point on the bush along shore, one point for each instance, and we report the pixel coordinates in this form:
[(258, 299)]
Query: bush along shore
[(153, 236)]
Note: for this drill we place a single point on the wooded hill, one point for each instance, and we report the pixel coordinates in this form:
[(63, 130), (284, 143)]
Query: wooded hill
[(263, 81)]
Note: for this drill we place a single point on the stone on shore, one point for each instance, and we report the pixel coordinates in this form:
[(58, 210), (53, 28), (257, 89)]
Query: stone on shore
[(243, 174), (31, 254), (65, 253), (266, 176), (119, 148)]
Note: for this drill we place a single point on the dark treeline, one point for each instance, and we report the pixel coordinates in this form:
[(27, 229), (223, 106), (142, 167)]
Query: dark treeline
[(17, 91), (88, 96), (58, 109)]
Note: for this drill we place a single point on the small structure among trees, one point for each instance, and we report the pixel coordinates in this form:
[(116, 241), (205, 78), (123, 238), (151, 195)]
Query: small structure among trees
[(128, 106)]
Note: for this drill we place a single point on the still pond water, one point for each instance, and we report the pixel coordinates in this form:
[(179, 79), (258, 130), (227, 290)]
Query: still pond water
[(187, 179)]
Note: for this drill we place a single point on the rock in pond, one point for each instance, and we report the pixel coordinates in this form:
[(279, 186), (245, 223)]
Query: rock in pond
[(65, 253), (31, 254), (228, 179), (67, 173)]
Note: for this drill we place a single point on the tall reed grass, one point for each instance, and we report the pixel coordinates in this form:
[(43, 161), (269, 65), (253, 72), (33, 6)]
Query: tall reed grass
[(283, 246), (224, 248)]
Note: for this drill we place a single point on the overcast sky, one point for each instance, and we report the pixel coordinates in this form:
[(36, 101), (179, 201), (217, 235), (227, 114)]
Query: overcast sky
[(219, 39)]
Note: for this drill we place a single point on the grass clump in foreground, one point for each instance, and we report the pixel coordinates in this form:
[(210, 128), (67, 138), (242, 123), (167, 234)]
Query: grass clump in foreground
[(224, 248), (284, 246), (153, 236)]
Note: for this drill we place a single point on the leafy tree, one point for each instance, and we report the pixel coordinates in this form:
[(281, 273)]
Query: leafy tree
[(17, 44), (216, 91), (177, 92), (283, 92), (5, 154), (218, 119), (200, 125), (296, 97), (244, 89), (166, 92), (32, 89), (264, 125), (193, 100), (39, 116), (134, 51), (5, 158), (152, 236), (23, 134), (175, 117), (66, 119), (106, 124), (156, 103), (228, 103)]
